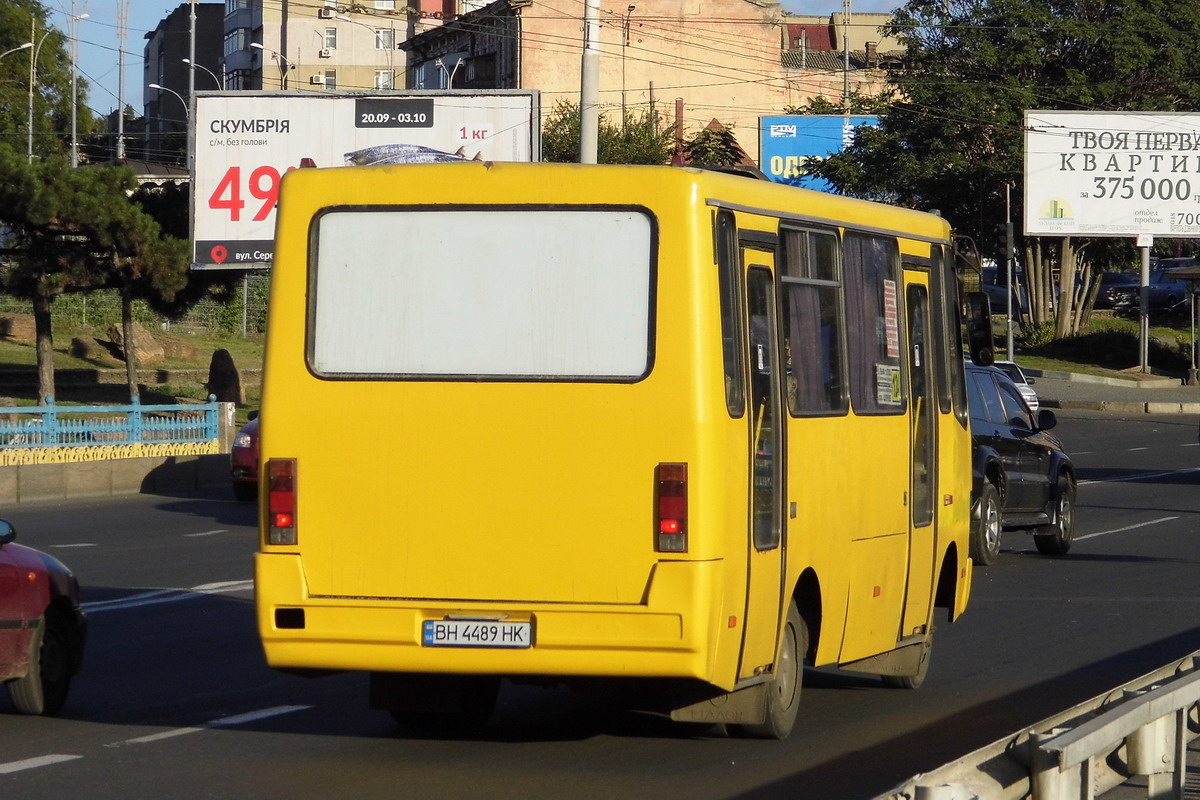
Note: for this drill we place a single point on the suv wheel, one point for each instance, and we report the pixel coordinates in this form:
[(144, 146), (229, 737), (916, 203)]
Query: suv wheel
[(1055, 539), (985, 533)]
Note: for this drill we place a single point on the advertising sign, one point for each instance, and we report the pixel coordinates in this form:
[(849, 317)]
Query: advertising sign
[(787, 144), (244, 142), (1112, 174)]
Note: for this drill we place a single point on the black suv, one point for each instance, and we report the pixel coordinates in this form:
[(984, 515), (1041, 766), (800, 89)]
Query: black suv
[(1023, 480)]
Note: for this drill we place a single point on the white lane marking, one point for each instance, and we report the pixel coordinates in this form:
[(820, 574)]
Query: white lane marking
[(64, 546), (1126, 528), (1136, 449), (160, 596), (208, 533), (1148, 476), (1191, 444), (34, 763), (222, 722)]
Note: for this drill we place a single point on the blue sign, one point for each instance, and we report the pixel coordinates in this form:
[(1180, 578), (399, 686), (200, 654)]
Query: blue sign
[(788, 144)]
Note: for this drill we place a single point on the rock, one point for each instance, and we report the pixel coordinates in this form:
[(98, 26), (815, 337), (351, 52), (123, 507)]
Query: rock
[(176, 348), (87, 348), (147, 352), (224, 379)]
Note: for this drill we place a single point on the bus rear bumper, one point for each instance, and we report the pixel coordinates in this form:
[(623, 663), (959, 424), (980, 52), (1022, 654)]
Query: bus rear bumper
[(667, 636)]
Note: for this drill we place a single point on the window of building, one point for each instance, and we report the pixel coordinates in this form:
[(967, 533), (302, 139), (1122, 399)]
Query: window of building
[(237, 40), (385, 79), (331, 79), (385, 5), (385, 39), (331, 38)]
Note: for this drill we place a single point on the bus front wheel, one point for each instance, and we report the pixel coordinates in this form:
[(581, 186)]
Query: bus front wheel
[(782, 695)]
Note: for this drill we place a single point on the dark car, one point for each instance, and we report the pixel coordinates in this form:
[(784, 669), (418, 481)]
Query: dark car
[(1022, 478), (1117, 290), (1167, 289), (42, 627), (998, 294), (243, 461)]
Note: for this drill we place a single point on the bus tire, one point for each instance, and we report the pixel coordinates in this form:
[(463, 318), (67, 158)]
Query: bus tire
[(913, 681), (43, 690), (1055, 539), (985, 534), (782, 695)]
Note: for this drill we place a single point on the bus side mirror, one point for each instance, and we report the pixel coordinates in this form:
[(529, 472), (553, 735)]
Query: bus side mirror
[(979, 329)]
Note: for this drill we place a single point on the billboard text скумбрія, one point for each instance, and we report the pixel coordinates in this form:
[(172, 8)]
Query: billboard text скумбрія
[(244, 142)]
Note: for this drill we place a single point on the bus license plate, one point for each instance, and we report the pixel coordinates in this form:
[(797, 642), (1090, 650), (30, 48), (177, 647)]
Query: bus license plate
[(476, 633)]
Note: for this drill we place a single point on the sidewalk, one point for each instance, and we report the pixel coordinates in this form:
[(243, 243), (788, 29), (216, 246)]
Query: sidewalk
[(1152, 395)]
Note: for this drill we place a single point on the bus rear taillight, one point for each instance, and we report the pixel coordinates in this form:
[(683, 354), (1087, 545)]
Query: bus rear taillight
[(671, 508), (281, 501)]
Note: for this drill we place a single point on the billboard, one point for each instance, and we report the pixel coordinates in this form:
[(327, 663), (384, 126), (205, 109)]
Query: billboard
[(787, 143), (243, 143), (1112, 174)]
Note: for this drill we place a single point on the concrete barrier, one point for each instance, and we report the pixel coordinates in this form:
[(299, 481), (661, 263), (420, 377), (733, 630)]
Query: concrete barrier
[(40, 483)]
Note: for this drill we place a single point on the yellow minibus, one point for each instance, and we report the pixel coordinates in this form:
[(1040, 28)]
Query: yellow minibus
[(550, 422)]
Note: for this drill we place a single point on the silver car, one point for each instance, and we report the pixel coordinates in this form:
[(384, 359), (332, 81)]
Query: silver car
[(1024, 384)]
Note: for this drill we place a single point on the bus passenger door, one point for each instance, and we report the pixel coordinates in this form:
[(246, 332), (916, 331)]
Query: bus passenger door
[(764, 609), (921, 550)]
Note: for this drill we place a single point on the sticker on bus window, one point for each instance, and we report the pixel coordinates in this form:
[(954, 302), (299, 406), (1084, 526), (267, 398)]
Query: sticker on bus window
[(887, 384), (891, 319)]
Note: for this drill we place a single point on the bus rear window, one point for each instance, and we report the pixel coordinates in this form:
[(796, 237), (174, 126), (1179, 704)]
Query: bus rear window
[(504, 294)]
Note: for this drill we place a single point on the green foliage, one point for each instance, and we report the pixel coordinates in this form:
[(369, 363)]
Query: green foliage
[(1035, 335), (641, 140), (859, 104), (714, 147), (52, 95)]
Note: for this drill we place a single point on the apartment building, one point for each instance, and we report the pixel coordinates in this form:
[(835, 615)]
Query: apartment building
[(324, 45)]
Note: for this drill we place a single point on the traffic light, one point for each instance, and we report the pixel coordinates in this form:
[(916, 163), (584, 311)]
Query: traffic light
[(1004, 240)]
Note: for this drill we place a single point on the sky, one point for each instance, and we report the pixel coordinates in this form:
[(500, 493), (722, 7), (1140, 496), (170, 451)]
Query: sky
[(99, 37)]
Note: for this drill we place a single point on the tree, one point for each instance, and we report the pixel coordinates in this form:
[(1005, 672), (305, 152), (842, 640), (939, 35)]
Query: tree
[(76, 230), (714, 146), (640, 140), (859, 104), (52, 98), (953, 138)]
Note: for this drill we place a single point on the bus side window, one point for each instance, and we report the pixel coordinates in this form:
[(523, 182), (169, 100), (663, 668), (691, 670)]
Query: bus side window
[(729, 277), (812, 322), (872, 324)]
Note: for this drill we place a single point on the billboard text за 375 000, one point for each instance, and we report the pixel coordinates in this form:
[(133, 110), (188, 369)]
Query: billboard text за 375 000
[(244, 142)]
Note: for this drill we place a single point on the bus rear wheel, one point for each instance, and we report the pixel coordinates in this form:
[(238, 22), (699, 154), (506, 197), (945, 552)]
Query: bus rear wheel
[(782, 695)]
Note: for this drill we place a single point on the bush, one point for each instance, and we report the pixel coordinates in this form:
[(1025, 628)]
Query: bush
[(1035, 335)]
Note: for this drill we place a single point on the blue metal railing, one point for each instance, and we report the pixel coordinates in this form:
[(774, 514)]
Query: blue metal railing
[(52, 425)]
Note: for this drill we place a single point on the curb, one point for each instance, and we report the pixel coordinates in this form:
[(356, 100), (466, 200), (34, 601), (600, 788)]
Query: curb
[(1124, 407), (1079, 377)]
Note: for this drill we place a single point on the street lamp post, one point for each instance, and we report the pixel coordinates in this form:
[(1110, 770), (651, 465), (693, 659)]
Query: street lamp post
[(284, 64), (186, 114), (194, 65), (33, 56), (25, 46)]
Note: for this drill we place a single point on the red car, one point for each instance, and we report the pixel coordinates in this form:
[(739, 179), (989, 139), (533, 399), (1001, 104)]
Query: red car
[(244, 461), (42, 627)]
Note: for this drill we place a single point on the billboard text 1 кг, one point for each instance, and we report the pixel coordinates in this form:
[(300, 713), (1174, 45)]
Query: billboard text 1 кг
[(245, 142)]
